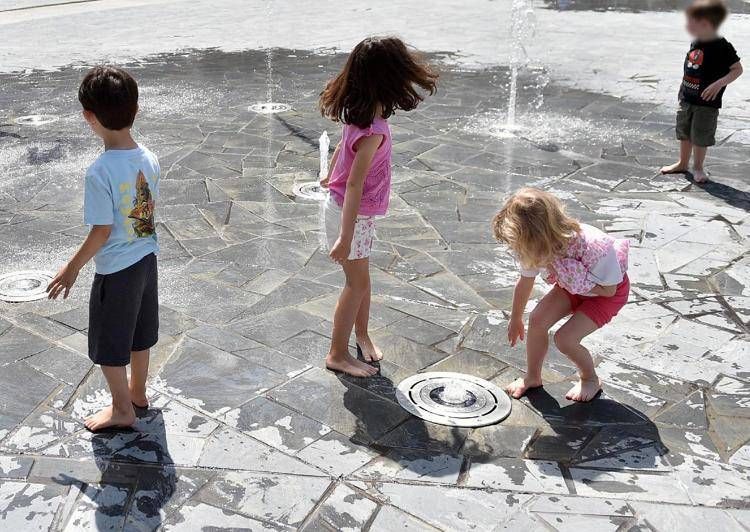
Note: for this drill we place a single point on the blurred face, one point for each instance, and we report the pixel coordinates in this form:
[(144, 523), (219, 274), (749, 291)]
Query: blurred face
[(699, 28)]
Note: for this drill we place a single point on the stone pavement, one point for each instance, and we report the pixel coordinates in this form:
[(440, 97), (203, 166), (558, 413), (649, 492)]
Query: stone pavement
[(247, 431)]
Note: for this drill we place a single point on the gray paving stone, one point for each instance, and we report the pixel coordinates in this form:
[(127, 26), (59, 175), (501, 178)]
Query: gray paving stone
[(15, 467), (343, 509), (361, 415), (19, 500), (225, 446), (213, 380), (276, 425), (283, 500)]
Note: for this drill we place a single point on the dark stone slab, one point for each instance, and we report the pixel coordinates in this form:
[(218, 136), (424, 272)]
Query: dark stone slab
[(214, 380), (345, 407)]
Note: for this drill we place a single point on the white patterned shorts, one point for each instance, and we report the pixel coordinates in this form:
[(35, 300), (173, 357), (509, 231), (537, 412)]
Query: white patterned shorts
[(364, 230)]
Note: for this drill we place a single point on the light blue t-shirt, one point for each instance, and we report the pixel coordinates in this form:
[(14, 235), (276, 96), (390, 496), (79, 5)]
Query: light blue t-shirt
[(122, 188)]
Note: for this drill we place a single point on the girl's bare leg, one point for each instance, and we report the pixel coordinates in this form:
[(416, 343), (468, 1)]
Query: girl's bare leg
[(551, 309), (568, 341), (369, 350), (356, 287)]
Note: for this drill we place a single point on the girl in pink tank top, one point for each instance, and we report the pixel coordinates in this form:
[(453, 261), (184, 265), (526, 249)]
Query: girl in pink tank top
[(381, 75)]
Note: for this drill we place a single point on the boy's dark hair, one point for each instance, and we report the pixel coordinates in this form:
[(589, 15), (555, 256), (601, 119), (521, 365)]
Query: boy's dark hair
[(380, 70), (714, 11), (111, 94)]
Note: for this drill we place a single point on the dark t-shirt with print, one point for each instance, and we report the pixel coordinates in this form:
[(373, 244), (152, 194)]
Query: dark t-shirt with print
[(705, 63)]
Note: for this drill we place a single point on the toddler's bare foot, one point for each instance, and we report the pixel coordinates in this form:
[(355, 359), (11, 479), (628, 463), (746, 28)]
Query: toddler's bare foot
[(521, 385), (350, 365), (700, 176), (584, 390), (675, 168), (370, 351), (110, 418)]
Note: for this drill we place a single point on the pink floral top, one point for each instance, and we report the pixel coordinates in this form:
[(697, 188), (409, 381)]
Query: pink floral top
[(593, 258)]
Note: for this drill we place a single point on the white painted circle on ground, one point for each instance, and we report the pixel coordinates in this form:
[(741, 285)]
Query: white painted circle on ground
[(479, 402), (310, 190), (35, 120), (28, 285), (268, 108)]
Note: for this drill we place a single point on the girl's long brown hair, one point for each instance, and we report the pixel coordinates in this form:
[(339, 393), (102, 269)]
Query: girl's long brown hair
[(380, 70)]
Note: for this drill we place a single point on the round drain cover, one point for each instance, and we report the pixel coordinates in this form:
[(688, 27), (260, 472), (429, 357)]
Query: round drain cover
[(268, 108), (29, 285), (310, 190), (35, 120), (453, 399)]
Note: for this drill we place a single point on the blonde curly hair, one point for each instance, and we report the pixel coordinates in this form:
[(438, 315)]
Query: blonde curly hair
[(535, 226)]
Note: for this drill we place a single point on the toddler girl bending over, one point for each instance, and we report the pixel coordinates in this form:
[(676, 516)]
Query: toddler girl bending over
[(380, 76), (587, 269)]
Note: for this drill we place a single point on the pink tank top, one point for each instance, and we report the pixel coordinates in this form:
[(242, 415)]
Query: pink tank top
[(376, 192)]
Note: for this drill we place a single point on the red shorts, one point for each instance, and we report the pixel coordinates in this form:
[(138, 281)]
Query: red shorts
[(601, 309)]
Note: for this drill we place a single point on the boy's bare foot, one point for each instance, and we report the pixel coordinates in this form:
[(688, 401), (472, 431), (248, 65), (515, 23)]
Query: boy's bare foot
[(370, 351), (110, 418), (700, 176), (585, 390), (140, 400), (675, 168), (521, 385), (350, 365)]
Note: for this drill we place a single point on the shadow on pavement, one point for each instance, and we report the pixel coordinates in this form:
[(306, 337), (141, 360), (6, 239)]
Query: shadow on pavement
[(134, 460)]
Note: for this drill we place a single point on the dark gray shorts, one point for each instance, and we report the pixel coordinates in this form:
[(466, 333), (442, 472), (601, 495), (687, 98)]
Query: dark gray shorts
[(124, 313), (697, 123)]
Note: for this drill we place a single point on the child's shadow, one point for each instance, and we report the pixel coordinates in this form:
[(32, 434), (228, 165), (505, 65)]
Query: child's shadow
[(135, 459), (425, 449), (622, 437)]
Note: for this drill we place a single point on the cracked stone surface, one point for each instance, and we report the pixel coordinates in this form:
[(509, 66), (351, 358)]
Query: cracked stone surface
[(246, 430)]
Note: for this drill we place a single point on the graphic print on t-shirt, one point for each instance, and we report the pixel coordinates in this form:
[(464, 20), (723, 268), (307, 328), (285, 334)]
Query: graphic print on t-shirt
[(705, 63), (695, 59), (142, 213)]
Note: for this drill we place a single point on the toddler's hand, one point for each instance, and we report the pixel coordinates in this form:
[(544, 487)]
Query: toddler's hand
[(62, 283), (340, 251), (712, 91), (324, 182), (515, 331)]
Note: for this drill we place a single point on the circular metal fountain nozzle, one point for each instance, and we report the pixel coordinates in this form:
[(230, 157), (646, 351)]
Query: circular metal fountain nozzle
[(269, 108), (28, 285), (35, 120), (310, 190), (453, 399)]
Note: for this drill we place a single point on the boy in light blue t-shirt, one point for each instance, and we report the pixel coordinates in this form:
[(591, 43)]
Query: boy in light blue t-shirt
[(120, 194)]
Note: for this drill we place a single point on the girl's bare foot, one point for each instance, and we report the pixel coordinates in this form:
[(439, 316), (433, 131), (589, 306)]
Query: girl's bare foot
[(521, 385), (584, 390), (370, 351), (699, 176), (676, 168), (110, 418), (350, 365)]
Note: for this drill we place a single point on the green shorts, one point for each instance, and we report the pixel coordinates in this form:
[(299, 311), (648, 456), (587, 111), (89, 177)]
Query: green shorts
[(697, 123)]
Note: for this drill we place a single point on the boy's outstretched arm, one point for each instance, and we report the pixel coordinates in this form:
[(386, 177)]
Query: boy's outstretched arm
[(66, 277), (521, 295), (710, 92)]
